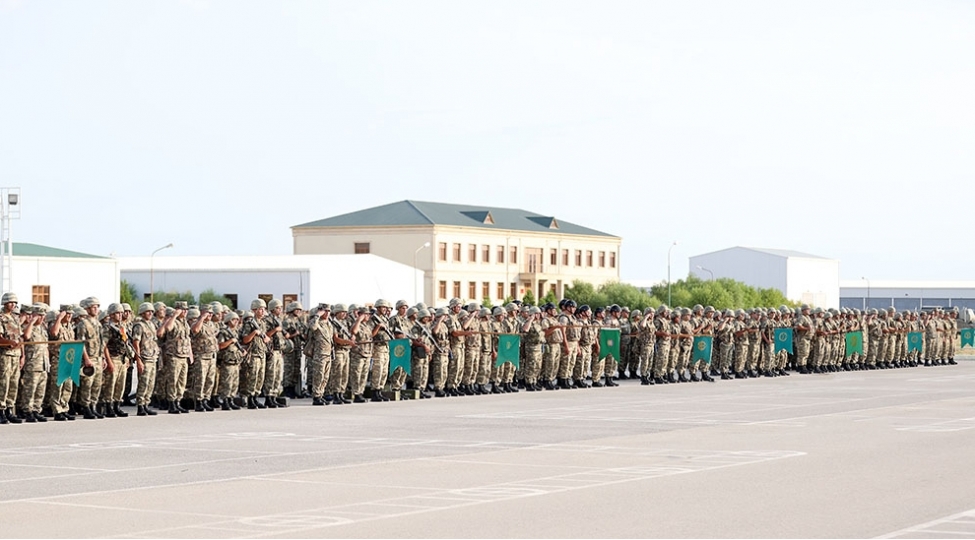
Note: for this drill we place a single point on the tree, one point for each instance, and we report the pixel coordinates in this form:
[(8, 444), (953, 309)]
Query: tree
[(550, 297), (209, 296), (174, 296), (486, 302), (721, 293), (528, 299), (129, 295)]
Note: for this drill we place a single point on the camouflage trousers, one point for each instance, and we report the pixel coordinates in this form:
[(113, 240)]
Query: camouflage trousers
[(872, 352), (472, 357), (57, 397), (204, 371), (252, 375), (533, 363), (455, 367), (106, 393), (439, 366), (87, 395), (320, 368), (380, 367), (725, 355), (505, 373), (273, 371), (30, 395), (339, 379), (358, 373), (645, 358), (684, 357), (568, 361), (754, 355), (741, 356), (768, 361), (627, 360), (147, 382), (661, 358), (803, 350), (9, 375), (229, 385), (161, 387), (397, 379), (583, 363), (551, 359), (292, 371), (420, 372), (484, 367), (178, 377), (818, 352), (674, 358)]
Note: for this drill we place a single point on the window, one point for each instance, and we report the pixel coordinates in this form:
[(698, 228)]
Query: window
[(500, 254), (578, 257), (266, 297), (500, 290), (288, 298), (553, 257), (456, 289), (514, 290), (41, 293), (361, 248), (602, 259), (589, 258), (486, 289), (232, 298), (471, 291), (612, 259), (565, 257), (514, 255), (472, 253), (442, 290), (442, 251), (485, 254)]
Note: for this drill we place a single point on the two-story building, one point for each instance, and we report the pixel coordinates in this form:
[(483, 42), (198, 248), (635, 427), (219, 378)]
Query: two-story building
[(470, 252)]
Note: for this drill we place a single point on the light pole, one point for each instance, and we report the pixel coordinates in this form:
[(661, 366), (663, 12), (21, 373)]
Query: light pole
[(866, 303), (152, 275), (426, 245), (699, 267), (669, 299)]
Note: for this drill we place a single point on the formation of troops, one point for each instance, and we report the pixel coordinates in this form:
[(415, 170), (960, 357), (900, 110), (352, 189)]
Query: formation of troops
[(205, 357)]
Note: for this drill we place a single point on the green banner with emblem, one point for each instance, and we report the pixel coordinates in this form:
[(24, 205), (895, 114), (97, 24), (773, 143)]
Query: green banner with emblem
[(70, 358), (508, 347), (783, 340), (914, 341), (399, 355), (968, 337), (702, 348), (854, 343), (609, 343)]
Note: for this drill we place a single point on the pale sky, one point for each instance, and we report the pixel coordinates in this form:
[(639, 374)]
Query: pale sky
[(842, 129)]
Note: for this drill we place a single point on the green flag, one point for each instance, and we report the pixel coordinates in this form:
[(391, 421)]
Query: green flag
[(70, 358), (913, 341), (609, 343), (508, 346), (783, 339), (399, 355), (702, 349), (854, 343), (968, 337)]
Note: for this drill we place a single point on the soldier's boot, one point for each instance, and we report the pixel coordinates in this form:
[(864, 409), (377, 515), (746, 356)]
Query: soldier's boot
[(951, 361), (610, 382), (140, 410), (99, 414), (513, 387), (27, 417), (207, 406), (172, 408), (198, 406), (3, 418), (271, 403), (87, 413), (225, 403), (106, 410), (258, 404), (118, 410), (234, 406), (440, 393), (645, 381), (495, 389), (318, 402), (47, 411), (359, 398), (180, 408)]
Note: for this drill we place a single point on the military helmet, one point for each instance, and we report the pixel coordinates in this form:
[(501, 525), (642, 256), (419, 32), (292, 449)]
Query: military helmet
[(382, 303), (411, 311), (50, 316), (420, 305), (598, 310), (661, 309), (484, 312), (402, 303), (292, 306), (615, 309), (88, 302), (498, 310), (193, 314), (158, 305), (583, 308), (273, 304), (114, 308), (353, 308), (570, 303), (257, 303), (463, 315), (229, 317), (453, 302), (511, 307), (422, 313), (534, 310), (709, 309), (442, 312), (8, 297), (697, 307), (102, 314), (339, 308), (472, 307), (144, 307), (205, 308)]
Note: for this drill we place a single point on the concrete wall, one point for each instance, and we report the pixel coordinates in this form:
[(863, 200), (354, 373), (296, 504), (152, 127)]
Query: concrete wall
[(69, 278)]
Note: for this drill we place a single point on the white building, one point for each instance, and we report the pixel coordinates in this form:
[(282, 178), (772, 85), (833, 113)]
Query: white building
[(801, 277), (58, 276), (906, 295), (309, 279), (470, 252)]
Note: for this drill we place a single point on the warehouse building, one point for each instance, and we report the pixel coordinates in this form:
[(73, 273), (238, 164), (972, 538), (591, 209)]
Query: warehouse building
[(471, 252), (906, 295)]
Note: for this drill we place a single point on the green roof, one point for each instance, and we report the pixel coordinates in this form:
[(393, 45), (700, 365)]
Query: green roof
[(412, 213), (21, 249)]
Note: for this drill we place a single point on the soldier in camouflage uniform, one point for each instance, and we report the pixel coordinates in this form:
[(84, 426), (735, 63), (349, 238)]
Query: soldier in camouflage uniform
[(455, 366), (178, 354), (254, 337), (440, 331), (342, 343), (203, 333), (94, 357), (146, 347), (382, 335), (587, 336), (423, 348), (274, 358), (319, 351), (646, 338), (59, 328), (363, 332), (230, 353), (400, 325), (295, 331), (36, 365), (554, 347), (531, 340), (472, 349), (117, 344), (572, 333), (725, 331)]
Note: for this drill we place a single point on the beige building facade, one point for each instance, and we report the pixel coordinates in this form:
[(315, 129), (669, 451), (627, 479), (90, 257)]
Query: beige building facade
[(469, 252)]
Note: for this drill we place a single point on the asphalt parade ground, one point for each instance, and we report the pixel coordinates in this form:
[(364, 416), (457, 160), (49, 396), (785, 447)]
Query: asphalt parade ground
[(860, 454)]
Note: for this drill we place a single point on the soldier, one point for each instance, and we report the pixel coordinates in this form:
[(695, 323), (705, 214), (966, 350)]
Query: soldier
[(572, 333), (342, 343), (36, 365), (59, 329), (253, 333), (230, 354), (203, 338), (117, 345), (423, 346), (10, 358), (382, 334), (741, 345), (554, 346), (804, 331), (362, 333), (295, 331), (455, 366), (94, 358), (440, 331), (146, 347), (274, 357), (587, 336), (178, 354), (646, 339), (320, 334), (610, 363), (662, 332), (725, 332), (472, 349), (400, 325), (532, 338)]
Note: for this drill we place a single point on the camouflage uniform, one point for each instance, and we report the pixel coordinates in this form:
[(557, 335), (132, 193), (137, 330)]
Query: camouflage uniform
[(204, 343), (144, 333), (320, 333), (36, 365)]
